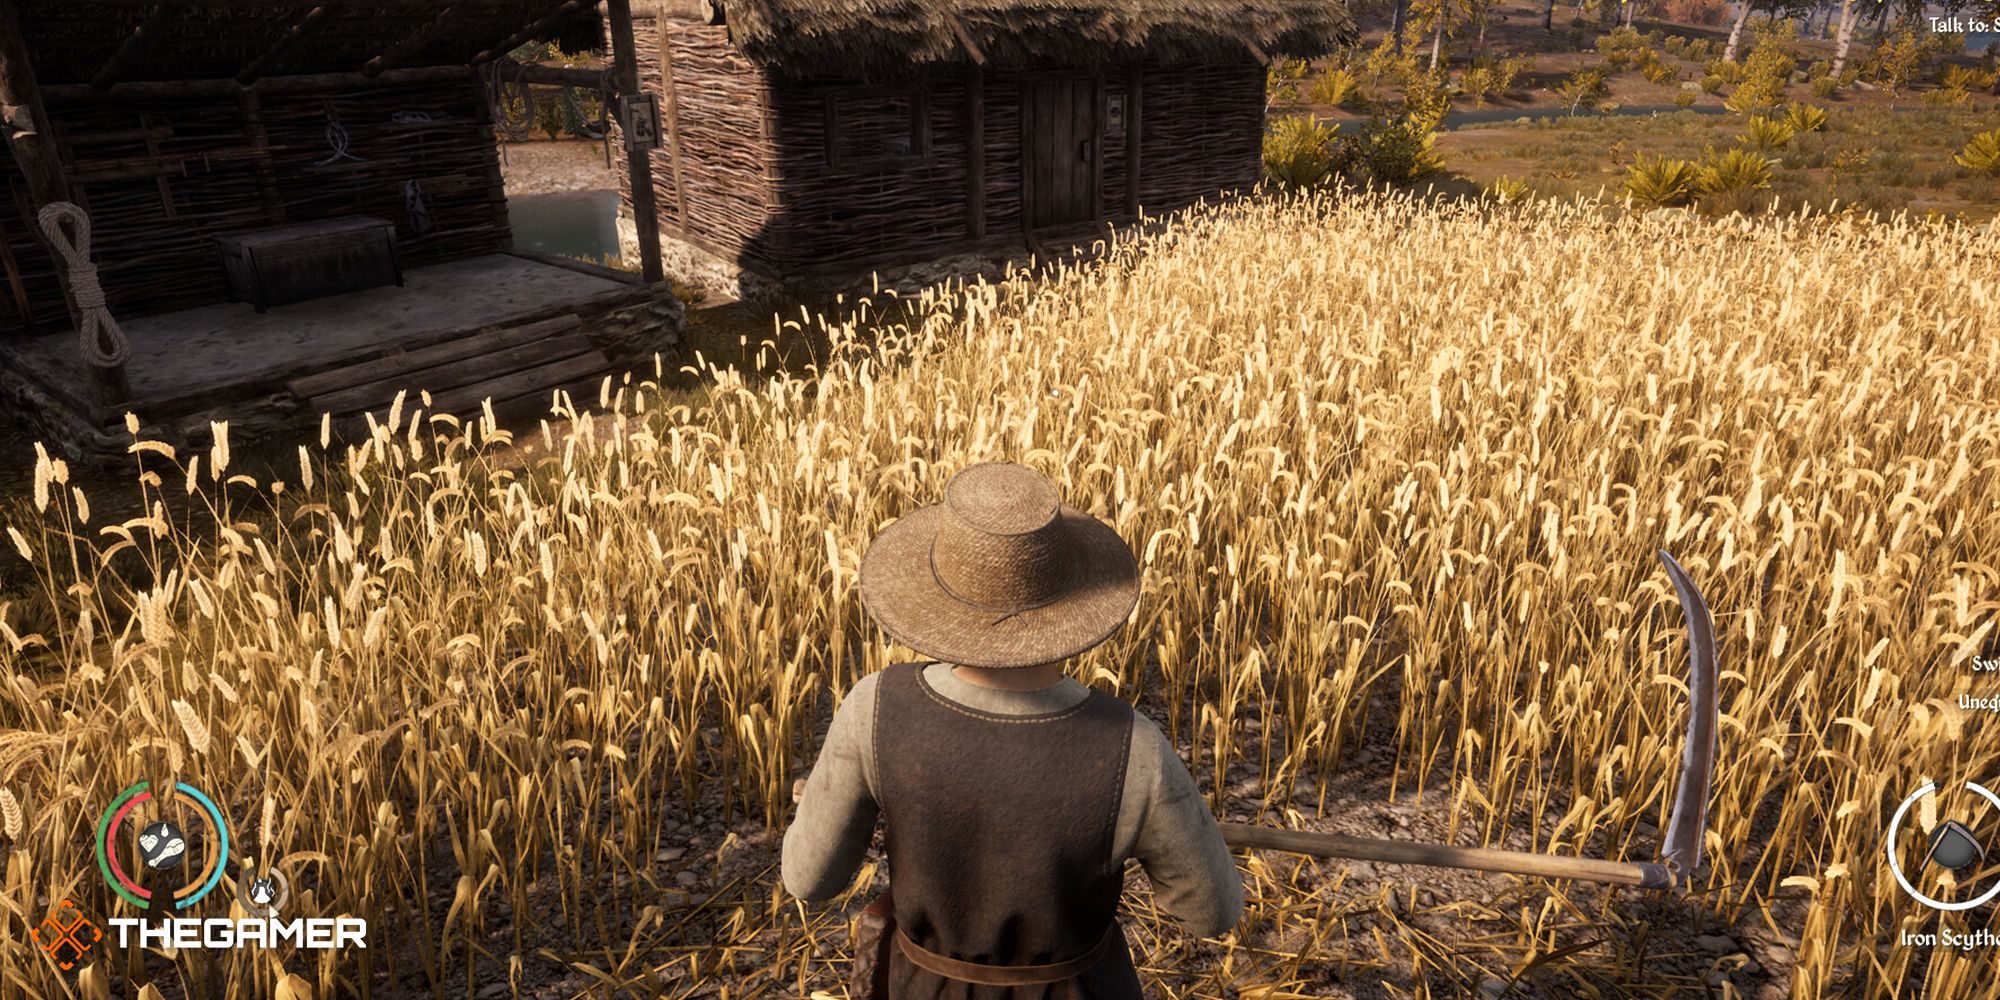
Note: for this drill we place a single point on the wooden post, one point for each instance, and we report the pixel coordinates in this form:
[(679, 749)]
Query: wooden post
[(645, 211), (260, 140), (1097, 85), (975, 150), (26, 124), (1134, 83)]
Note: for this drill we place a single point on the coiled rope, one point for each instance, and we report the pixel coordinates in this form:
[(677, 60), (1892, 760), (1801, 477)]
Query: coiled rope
[(98, 334)]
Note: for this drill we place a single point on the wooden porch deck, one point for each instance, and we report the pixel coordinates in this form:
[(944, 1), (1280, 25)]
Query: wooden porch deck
[(447, 320)]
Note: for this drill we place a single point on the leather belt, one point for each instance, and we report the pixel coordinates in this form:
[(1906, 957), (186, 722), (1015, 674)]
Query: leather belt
[(1004, 975)]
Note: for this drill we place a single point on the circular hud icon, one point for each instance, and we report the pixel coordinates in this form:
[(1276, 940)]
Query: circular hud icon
[(162, 845), (263, 895), (1952, 848)]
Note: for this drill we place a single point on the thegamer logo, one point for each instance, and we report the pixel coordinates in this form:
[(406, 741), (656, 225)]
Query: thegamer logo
[(188, 834), (66, 935)]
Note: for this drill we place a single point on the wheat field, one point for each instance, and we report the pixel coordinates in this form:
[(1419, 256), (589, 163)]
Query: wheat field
[(1396, 472)]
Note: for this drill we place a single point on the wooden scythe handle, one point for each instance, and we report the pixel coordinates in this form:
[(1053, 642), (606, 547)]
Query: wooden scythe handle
[(1404, 852)]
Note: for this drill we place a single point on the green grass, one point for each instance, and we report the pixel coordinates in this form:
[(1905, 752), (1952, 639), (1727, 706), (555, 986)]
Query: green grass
[(1875, 159)]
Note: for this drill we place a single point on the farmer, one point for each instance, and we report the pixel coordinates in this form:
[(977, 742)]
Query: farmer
[(1011, 795)]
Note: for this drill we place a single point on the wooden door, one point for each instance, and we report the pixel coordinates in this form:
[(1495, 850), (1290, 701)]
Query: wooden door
[(1060, 137)]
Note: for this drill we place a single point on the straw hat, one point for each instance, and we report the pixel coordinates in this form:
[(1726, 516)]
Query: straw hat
[(1001, 574)]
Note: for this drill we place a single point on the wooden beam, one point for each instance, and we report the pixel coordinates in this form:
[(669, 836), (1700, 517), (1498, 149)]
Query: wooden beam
[(289, 84), (674, 153), (133, 47), (22, 117), (556, 76), (262, 64), (1134, 86), (975, 151), (412, 45), (32, 142), (965, 39), (645, 210), (521, 37)]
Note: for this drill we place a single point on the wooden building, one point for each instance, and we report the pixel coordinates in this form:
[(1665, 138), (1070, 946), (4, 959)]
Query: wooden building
[(202, 137), (805, 137)]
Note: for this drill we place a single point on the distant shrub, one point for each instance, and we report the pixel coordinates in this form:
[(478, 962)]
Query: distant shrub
[(1660, 72), (1765, 73), (1735, 170), (1335, 88), (1622, 47), (1509, 190), (1281, 82), (1301, 151), (1767, 133), (1427, 99), (1583, 87), (1966, 78), (1982, 154), (1826, 88), (1660, 181), (1384, 65), (1897, 61), (1729, 72), (1398, 150), (1805, 118), (1703, 12), (1712, 83), (1684, 99), (1945, 97), (1488, 79)]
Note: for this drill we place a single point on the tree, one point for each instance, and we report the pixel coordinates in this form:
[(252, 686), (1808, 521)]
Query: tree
[(1775, 8), (1843, 39), (1736, 30)]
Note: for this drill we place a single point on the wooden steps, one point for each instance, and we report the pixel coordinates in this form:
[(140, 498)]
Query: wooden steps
[(518, 368)]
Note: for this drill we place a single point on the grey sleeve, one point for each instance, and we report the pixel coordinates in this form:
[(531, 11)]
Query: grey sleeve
[(835, 822), (1180, 846)]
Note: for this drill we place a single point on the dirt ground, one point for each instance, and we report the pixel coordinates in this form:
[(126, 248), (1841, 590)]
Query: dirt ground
[(554, 167)]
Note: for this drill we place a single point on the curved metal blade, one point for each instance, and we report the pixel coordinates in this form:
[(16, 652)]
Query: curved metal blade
[(1681, 848)]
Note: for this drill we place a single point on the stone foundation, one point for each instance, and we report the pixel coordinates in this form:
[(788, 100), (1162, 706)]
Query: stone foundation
[(690, 265)]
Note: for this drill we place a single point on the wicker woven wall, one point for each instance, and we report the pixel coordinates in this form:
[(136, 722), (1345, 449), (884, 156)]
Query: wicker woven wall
[(1201, 132), (719, 133), (763, 190), (162, 176)]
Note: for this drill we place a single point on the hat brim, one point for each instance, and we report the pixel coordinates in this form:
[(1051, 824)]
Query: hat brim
[(905, 598)]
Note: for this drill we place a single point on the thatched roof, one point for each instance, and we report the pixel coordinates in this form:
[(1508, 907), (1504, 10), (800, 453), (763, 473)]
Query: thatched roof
[(846, 37), (72, 41)]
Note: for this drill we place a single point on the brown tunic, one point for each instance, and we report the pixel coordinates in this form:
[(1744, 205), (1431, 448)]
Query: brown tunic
[(999, 834)]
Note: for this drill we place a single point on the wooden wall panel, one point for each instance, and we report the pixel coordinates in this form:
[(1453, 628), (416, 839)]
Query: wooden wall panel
[(726, 158), (914, 205), (1201, 132), (162, 176)]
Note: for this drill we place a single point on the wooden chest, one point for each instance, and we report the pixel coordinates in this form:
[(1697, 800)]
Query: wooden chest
[(294, 263)]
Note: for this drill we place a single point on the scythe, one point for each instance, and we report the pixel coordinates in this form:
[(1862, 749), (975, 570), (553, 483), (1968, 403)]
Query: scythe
[(1680, 848)]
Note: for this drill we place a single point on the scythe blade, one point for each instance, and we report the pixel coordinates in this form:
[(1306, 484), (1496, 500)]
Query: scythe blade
[(1682, 845)]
